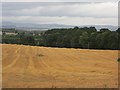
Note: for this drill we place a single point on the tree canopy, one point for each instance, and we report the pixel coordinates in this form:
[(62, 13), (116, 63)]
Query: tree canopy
[(86, 38)]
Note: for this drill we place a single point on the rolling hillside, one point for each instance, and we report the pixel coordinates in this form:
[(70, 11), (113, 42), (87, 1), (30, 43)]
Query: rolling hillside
[(45, 67)]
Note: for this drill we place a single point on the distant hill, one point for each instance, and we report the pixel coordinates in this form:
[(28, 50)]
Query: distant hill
[(43, 27), (33, 26), (98, 27)]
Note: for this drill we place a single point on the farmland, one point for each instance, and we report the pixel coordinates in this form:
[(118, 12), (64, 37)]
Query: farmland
[(45, 67)]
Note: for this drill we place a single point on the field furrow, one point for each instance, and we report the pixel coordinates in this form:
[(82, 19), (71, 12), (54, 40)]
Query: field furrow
[(45, 67)]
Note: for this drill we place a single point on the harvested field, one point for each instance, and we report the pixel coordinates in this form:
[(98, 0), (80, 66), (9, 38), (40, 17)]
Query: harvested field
[(45, 67)]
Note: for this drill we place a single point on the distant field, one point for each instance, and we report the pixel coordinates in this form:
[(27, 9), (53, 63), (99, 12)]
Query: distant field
[(45, 67)]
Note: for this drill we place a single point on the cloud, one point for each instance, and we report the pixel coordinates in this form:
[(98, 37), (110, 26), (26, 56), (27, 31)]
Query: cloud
[(62, 13), (66, 9), (63, 20), (59, 0)]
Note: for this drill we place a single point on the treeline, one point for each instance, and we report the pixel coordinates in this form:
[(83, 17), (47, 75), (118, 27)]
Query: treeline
[(24, 37), (86, 38)]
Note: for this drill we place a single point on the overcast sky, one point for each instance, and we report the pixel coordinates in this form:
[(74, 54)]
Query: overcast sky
[(89, 12)]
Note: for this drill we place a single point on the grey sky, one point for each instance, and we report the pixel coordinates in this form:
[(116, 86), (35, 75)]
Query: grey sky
[(80, 13), (59, 0)]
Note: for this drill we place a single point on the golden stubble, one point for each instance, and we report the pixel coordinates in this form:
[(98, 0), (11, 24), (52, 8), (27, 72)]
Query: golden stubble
[(45, 67)]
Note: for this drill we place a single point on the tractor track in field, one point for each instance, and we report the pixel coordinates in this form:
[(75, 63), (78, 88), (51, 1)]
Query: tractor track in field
[(45, 67)]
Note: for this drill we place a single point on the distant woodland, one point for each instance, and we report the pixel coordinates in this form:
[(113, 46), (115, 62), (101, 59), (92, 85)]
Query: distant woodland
[(84, 38)]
